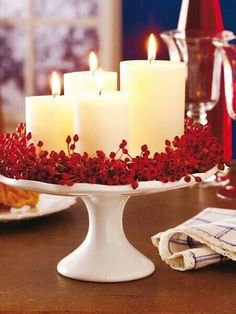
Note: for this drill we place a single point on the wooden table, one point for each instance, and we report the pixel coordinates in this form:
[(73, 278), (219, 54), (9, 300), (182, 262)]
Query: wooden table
[(30, 251)]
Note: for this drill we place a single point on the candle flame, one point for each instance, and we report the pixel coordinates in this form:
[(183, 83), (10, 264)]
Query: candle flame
[(100, 80), (56, 85), (93, 62), (152, 48)]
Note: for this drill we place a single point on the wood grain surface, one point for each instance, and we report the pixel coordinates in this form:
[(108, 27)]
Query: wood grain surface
[(30, 251)]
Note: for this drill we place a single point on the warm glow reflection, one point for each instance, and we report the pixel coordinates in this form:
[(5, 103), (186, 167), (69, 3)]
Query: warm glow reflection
[(56, 85), (152, 48), (93, 62), (100, 80)]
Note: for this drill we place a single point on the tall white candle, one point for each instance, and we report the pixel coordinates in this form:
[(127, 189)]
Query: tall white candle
[(156, 101), (75, 82), (50, 119)]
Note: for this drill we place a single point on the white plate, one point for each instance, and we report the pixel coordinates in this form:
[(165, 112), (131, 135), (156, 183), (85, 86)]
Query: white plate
[(47, 204)]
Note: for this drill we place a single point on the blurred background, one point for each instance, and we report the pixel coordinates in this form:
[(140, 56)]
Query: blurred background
[(39, 36)]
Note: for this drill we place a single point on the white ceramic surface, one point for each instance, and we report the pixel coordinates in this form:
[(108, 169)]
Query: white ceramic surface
[(47, 205), (105, 255)]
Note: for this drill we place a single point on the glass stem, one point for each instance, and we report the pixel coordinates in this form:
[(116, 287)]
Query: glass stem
[(198, 113)]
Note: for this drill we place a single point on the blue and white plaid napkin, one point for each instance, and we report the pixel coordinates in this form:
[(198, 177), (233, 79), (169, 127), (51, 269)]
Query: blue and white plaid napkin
[(208, 238)]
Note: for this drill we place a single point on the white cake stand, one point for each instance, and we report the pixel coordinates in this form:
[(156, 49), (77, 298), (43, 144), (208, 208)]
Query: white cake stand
[(105, 255)]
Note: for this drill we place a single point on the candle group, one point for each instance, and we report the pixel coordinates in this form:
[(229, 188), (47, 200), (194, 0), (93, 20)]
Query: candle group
[(148, 110)]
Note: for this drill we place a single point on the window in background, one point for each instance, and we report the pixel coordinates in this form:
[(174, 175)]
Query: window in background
[(39, 36)]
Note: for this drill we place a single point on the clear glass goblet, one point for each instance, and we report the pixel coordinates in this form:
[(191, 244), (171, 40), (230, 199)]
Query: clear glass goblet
[(204, 65), (227, 50)]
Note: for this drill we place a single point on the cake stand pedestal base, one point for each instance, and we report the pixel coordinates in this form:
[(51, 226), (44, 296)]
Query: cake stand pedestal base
[(105, 255)]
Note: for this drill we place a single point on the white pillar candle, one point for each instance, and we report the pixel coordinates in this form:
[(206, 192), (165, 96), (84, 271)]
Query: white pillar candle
[(50, 119), (75, 82), (101, 120), (156, 101)]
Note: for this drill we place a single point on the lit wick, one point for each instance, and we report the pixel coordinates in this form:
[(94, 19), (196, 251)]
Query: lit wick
[(100, 80), (152, 48), (93, 62), (56, 86)]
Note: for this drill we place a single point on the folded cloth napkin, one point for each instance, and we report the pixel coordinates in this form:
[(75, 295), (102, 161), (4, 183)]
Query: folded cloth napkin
[(207, 238)]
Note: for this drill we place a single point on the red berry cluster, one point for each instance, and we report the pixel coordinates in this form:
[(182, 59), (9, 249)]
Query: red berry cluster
[(196, 151)]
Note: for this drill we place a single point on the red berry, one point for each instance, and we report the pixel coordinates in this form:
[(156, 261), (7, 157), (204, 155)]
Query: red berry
[(167, 143), (198, 179), (134, 184), (144, 148), (72, 147), (40, 144), (187, 178), (221, 166), (75, 138), (100, 154), (29, 136), (123, 144), (68, 139), (112, 155)]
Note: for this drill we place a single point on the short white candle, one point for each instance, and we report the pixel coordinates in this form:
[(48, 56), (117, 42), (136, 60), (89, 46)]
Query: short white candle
[(50, 119), (75, 82), (156, 99), (101, 119)]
